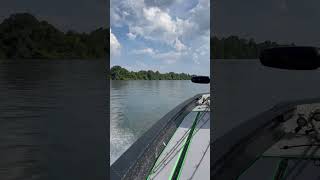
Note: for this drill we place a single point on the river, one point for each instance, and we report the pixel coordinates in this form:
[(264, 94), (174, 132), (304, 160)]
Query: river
[(53, 119)]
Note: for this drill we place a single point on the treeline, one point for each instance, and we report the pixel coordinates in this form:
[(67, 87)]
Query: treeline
[(233, 47), (119, 73), (22, 36)]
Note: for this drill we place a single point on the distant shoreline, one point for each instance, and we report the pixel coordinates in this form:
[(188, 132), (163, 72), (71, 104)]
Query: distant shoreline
[(120, 73), (234, 47), (152, 80)]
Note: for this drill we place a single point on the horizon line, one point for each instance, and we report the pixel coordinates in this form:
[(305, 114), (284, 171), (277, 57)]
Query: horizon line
[(154, 70)]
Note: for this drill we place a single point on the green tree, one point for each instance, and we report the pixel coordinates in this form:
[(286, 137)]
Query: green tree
[(22, 36), (233, 47), (119, 73)]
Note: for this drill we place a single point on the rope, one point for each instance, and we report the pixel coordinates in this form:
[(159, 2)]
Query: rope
[(197, 166), (162, 162), (165, 163), (174, 147)]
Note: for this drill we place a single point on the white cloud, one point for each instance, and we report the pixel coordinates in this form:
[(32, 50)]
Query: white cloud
[(148, 51), (115, 46), (151, 23), (195, 58), (131, 35), (179, 46), (156, 25), (159, 20), (201, 15), (170, 57), (201, 49), (152, 20), (161, 3)]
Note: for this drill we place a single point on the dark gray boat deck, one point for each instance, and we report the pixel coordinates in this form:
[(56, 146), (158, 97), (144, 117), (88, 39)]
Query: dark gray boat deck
[(302, 159), (296, 139)]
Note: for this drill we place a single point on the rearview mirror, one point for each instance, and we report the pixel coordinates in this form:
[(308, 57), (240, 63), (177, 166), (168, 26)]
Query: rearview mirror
[(200, 79), (293, 57)]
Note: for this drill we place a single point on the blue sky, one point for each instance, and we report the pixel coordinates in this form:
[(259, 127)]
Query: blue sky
[(161, 35)]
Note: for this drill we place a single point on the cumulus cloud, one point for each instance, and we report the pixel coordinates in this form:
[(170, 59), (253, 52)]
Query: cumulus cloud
[(151, 23), (115, 46), (157, 25), (160, 20), (152, 20)]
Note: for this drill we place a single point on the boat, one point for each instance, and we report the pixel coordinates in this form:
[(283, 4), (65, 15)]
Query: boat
[(176, 147), (282, 142)]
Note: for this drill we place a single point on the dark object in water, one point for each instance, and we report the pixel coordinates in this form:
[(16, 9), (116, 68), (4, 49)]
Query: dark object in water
[(200, 79)]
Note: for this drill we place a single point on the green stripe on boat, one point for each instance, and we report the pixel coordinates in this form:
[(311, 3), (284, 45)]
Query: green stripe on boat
[(179, 164)]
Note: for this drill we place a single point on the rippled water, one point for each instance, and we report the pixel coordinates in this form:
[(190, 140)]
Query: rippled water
[(52, 120), (136, 105)]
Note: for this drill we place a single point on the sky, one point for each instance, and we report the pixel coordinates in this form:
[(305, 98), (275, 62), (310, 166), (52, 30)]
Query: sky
[(284, 21), (161, 35), (78, 15)]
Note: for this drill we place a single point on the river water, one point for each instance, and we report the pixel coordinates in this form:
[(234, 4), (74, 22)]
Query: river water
[(53, 119)]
